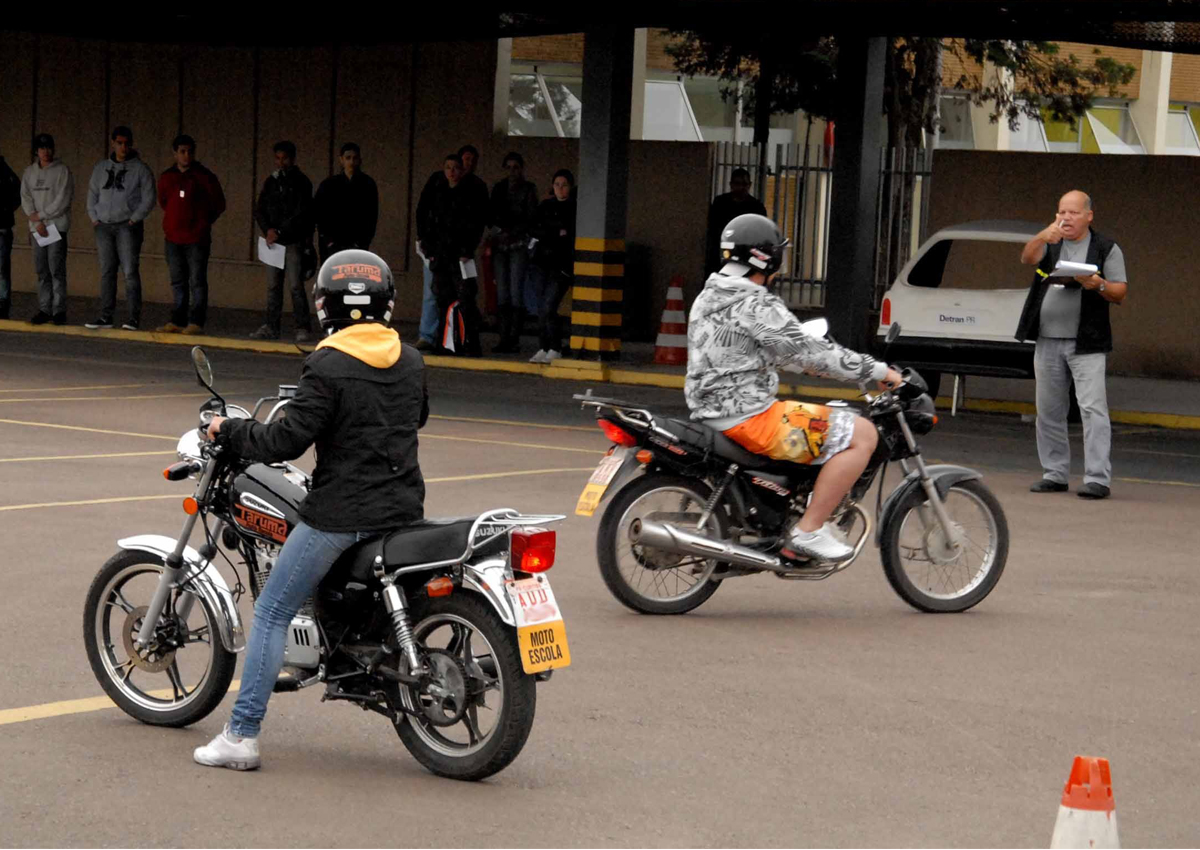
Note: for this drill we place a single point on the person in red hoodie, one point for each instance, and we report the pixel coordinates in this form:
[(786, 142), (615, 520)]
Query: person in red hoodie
[(192, 200)]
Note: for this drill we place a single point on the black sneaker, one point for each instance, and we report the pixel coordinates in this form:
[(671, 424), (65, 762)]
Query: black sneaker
[(100, 323), (39, 318), (131, 325), (1048, 486), (60, 318), (1092, 490)]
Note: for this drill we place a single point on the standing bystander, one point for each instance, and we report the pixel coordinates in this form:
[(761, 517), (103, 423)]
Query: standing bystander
[(347, 207), (47, 189), (454, 227), (1068, 318), (552, 266), (514, 204), (192, 200), (725, 208), (10, 200), (120, 196), (284, 215)]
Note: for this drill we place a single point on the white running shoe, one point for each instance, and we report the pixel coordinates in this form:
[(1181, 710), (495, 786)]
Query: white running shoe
[(227, 750), (820, 544), (540, 357), (552, 355)]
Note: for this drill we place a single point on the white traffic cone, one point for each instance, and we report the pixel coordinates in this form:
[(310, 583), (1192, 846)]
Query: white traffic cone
[(1088, 816), (670, 349)]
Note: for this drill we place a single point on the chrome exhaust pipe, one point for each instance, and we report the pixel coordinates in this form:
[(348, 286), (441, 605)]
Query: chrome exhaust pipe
[(670, 538)]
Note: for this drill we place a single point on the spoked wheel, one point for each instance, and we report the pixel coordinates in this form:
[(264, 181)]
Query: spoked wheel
[(649, 580), (474, 711), (930, 572), (185, 671)]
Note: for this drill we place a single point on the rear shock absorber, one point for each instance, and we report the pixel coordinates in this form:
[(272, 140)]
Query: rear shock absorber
[(397, 608)]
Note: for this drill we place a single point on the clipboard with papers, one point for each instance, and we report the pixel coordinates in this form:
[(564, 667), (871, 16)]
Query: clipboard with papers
[(1063, 268)]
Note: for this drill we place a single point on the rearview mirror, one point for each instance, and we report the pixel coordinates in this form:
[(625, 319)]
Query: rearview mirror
[(203, 367), (816, 327)]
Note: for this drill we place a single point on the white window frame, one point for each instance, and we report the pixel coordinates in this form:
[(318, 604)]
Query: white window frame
[(1094, 123), (686, 101), (1186, 112)]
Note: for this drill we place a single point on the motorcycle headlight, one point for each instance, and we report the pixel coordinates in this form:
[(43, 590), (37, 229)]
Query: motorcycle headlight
[(921, 415), (188, 447)]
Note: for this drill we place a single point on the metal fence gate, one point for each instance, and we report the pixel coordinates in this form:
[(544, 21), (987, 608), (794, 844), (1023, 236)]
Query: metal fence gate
[(796, 189)]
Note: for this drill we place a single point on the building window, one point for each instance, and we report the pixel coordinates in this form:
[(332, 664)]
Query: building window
[(1182, 136), (1061, 137), (667, 114), (544, 104), (956, 130), (1111, 130)]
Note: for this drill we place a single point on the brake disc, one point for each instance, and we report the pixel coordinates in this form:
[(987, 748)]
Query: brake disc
[(152, 658), (443, 693)]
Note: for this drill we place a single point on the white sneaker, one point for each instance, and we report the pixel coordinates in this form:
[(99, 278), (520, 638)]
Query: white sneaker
[(227, 750), (540, 357), (552, 355), (820, 544)]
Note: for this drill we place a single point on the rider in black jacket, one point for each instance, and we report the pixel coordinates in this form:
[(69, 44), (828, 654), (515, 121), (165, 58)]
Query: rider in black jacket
[(360, 401)]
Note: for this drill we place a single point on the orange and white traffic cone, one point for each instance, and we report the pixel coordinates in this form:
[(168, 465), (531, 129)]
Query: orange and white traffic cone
[(1088, 815), (670, 349)]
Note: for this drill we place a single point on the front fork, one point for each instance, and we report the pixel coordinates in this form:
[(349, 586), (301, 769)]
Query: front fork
[(949, 528), (173, 569)]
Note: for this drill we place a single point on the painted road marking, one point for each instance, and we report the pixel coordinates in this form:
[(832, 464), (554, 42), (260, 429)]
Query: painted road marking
[(507, 443), (104, 397), (77, 706), (515, 423), (91, 430), (116, 499), (73, 389), (80, 457), (1156, 481)]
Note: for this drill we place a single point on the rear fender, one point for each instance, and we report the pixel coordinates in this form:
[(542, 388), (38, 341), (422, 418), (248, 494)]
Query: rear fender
[(944, 477), (203, 579), (487, 579)]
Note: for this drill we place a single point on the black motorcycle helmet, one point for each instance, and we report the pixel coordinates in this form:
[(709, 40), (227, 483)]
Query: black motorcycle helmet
[(353, 287), (755, 241)]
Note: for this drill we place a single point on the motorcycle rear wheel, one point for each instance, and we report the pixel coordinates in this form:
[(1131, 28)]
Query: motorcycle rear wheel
[(624, 566), (110, 618), (927, 574), (466, 626)]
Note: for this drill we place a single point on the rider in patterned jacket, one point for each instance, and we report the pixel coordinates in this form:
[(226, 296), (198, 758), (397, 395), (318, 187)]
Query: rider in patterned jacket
[(739, 334)]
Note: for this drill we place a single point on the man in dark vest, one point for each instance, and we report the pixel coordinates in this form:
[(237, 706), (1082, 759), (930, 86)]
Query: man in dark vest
[(1068, 318)]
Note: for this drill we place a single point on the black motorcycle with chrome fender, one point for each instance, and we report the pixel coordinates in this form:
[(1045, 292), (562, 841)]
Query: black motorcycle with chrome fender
[(691, 508), (442, 626)]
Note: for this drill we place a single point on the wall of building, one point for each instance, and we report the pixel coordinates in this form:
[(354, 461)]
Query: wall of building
[(1185, 78), (1155, 329), (238, 102), (568, 50)]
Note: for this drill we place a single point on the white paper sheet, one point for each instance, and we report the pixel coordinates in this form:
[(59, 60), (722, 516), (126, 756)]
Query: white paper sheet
[(272, 255), (52, 236), (1066, 269), (467, 268)]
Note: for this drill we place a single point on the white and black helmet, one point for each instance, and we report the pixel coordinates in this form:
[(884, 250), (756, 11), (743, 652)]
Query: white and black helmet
[(755, 241), (353, 287)]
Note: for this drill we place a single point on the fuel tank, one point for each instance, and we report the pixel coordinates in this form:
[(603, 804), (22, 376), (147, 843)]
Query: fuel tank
[(265, 503)]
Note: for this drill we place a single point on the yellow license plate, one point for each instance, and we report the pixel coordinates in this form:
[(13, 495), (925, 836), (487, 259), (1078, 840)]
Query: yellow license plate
[(541, 633), (590, 498)]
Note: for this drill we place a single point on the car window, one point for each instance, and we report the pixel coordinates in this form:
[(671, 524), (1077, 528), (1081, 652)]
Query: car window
[(972, 264)]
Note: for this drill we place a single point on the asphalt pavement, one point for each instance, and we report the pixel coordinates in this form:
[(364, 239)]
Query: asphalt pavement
[(777, 714)]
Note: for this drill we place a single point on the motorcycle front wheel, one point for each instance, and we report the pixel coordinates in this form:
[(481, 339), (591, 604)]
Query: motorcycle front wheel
[(651, 581), (183, 674), (928, 571), (476, 719)]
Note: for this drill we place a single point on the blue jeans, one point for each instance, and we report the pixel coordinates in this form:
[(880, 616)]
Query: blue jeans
[(429, 310), (6, 240), (304, 560), (50, 265), (188, 265), (509, 265), (120, 243)]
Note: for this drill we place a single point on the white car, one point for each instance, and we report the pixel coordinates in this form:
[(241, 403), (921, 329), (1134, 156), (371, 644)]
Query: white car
[(958, 301)]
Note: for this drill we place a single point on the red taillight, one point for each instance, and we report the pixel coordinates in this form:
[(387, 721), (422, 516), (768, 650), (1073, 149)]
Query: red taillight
[(532, 549), (617, 434), (885, 313)]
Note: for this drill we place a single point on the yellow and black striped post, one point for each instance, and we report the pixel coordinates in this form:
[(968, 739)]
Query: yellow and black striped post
[(597, 299)]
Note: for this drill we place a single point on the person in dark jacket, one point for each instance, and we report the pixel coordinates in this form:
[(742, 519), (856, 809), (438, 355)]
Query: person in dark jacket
[(725, 208), (192, 200), (514, 203), (347, 207), (10, 200), (284, 215), (552, 266), (361, 399), (452, 231)]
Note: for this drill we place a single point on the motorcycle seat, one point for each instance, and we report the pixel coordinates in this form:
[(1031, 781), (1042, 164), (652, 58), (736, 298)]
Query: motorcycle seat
[(709, 439), (420, 542)]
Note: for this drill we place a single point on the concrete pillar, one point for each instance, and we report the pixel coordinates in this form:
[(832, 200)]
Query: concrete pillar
[(603, 198), (989, 135), (503, 75), (1149, 111), (860, 137), (637, 101)]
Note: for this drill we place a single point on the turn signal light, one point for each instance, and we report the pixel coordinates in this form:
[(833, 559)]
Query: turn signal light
[(617, 434), (644, 456), (440, 586), (190, 506), (934, 420), (532, 549)]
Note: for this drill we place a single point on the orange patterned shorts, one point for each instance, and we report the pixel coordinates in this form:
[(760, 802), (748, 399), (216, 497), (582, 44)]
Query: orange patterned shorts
[(796, 432)]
